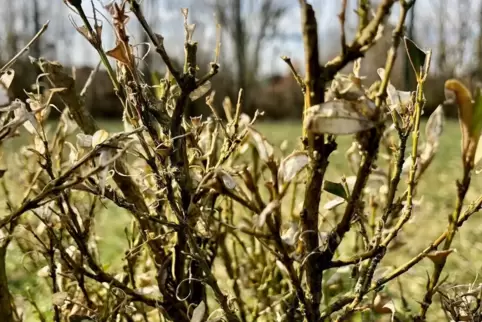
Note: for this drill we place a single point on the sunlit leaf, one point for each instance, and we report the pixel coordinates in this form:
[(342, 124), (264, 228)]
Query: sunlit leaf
[(350, 182), (198, 313), (59, 298), (435, 125), (338, 117), (84, 141), (290, 236), (332, 204), (292, 165), (73, 153), (399, 100), (159, 87), (438, 256), (383, 304), (335, 188), (68, 123), (5, 81), (99, 137), (228, 108), (28, 119), (282, 268), (44, 271), (227, 179), (244, 120), (10, 108), (417, 57), (151, 290), (175, 90), (284, 145), (6, 78), (346, 87), (270, 208), (39, 145), (200, 91), (265, 149)]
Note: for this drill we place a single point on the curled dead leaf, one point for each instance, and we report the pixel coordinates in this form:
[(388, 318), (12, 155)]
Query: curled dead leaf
[(290, 236), (332, 204), (6, 78), (227, 179), (456, 93), (435, 125), (99, 137), (200, 91), (292, 165), (282, 268), (84, 141), (27, 118), (270, 208), (438, 256), (121, 54), (59, 298), (383, 304), (398, 101), (265, 149), (198, 313), (340, 117)]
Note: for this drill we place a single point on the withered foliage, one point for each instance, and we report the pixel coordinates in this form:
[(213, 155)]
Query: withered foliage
[(225, 225)]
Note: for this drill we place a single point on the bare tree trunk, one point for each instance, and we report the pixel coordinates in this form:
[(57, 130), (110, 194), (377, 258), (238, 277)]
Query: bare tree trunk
[(237, 17), (239, 37), (442, 46), (36, 25)]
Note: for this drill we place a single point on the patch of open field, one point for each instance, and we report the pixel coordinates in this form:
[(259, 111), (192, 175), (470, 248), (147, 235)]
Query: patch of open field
[(436, 192)]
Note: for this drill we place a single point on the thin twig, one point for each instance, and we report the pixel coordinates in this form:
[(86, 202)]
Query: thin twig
[(26, 48), (297, 76), (90, 79)]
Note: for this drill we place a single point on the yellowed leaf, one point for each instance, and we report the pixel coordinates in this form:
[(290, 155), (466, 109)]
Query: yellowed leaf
[(439, 255), (338, 117), (99, 137), (120, 53), (457, 93)]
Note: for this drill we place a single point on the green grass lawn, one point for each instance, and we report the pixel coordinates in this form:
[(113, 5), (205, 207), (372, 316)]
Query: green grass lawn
[(437, 189)]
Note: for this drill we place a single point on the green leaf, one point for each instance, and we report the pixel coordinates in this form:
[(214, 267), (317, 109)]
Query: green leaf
[(416, 55), (476, 126), (335, 188), (156, 78), (157, 85)]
